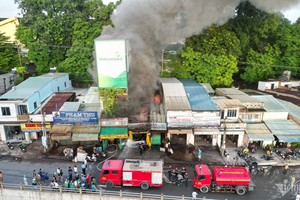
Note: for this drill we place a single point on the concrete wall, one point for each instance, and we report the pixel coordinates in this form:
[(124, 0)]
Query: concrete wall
[(15, 194)]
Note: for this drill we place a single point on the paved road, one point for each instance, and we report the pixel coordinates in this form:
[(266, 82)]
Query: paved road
[(270, 186)]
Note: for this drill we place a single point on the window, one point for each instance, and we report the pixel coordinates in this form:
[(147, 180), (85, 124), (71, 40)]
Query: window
[(201, 177), (65, 84), (106, 172), (222, 114), (58, 90), (35, 105), (5, 111), (231, 113), (114, 172), (22, 109)]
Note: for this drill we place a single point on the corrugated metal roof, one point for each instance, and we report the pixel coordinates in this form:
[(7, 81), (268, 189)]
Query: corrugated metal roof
[(257, 129), (271, 104), (174, 94), (56, 101), (70, 106), (208, 88), (291, 108), (230, 91), (197, 96), (283, 127), (92, 96), (25, 89), (53, 75), (244, 98), (223, 102)]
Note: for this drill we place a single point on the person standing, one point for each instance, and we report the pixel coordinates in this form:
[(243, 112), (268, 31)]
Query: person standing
[(194, 195), (286, 168), (292, 183), (1, 178), (25, 180), (34, 174), (199, 154), (83, 167), (75, 171), (58, 173)]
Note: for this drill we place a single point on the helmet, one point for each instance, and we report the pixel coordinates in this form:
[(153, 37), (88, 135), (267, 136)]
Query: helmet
[(173, 170)]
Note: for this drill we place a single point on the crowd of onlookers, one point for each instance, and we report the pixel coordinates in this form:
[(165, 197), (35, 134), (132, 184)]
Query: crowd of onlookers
[(72, 179)]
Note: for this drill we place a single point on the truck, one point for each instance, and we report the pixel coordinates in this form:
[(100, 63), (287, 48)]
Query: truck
[(132, 172), (223, 179)]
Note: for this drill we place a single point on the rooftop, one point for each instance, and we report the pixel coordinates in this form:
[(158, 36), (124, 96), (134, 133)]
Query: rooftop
[(56, 101), (271, 104), (283, 127), (197, 96)]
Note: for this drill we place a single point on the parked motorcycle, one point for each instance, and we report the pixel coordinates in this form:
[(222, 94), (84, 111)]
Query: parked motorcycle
[(22, 147), (10, 145)]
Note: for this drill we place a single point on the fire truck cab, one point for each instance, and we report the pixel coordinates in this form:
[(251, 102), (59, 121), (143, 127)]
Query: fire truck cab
[(132, 172)]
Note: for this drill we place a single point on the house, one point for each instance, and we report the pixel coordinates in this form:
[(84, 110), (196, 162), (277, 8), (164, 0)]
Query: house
[(7, 81), (205, 114), (9, 27), (178, 112), (253, 108), (231, 127), (27, 98)]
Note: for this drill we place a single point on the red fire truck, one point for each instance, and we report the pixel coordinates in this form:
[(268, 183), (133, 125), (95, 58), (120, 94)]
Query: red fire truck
[(223, 179), (132, 172)]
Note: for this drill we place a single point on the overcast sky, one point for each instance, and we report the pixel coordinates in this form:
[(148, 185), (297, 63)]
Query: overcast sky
[(9, 9)]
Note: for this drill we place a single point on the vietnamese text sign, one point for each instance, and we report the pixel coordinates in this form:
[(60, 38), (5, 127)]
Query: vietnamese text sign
[(114, 122), (75, 117), (33, 127)]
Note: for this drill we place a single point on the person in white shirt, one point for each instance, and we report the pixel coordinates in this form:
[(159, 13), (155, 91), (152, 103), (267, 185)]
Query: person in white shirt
[(194, 195)]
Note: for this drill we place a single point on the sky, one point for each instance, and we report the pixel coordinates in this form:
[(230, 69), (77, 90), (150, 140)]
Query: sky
[(9, 9)]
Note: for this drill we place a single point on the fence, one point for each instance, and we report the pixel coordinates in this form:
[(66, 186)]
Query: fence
[(13, 191)]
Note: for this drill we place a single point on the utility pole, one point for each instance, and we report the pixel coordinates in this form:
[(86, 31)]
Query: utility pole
[(224, 137), (162, 61), (44, 138)]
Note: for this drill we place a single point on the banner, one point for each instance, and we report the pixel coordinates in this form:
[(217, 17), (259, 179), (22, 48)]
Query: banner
[(34, 127), (74, 117)]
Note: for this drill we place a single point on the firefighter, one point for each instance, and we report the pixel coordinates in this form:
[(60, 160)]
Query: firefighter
[(173, 175)]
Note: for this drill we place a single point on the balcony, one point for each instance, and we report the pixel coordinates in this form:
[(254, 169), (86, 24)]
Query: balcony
[(23, 117)]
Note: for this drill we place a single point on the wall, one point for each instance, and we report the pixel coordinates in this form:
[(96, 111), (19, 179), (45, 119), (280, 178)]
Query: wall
[(267, 85), (8, 27), (275, 116)]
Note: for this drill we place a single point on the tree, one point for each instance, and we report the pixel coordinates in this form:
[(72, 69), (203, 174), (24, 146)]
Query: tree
[(287, 38), (260, 66), (8, 54), (62, 33), (210, 57), (79, 57), (207, 68)]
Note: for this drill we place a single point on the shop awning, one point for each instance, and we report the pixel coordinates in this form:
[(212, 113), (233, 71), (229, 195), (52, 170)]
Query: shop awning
[(61, 132), (113, 132), (206, 131), (258, 132), (85, 133), (288, 138)]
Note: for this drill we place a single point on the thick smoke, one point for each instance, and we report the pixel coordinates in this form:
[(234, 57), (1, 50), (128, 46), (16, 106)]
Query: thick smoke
[(150, 25)]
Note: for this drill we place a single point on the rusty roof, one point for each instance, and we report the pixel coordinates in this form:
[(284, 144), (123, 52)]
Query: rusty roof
[(56, 101)]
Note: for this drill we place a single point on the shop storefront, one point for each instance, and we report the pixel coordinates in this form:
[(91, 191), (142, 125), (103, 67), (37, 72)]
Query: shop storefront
[(33, 131), (258, 134), (181, 136), (85, 133), (61, 132), (113, 135), (206, 136)]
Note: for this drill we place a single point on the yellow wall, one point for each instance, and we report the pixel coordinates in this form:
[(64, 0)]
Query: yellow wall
[(9, 27)]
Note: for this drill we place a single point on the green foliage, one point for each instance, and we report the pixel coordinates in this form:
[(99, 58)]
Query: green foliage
[(22, 70), (207, 68), (260, 65), (8, 54), (109, 97), (217, 40), (62, 33)]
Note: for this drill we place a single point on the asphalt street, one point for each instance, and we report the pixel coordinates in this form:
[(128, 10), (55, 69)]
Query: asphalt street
[(269, 186)]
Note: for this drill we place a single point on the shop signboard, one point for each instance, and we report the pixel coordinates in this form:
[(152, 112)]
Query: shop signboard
[(114, 122), (73, 117), (34, 127)]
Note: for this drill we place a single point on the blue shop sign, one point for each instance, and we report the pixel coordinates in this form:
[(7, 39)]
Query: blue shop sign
[(75, 117)]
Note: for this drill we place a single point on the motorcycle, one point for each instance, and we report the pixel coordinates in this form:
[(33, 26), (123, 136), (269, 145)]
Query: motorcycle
[(22, 147), (10, 145)]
